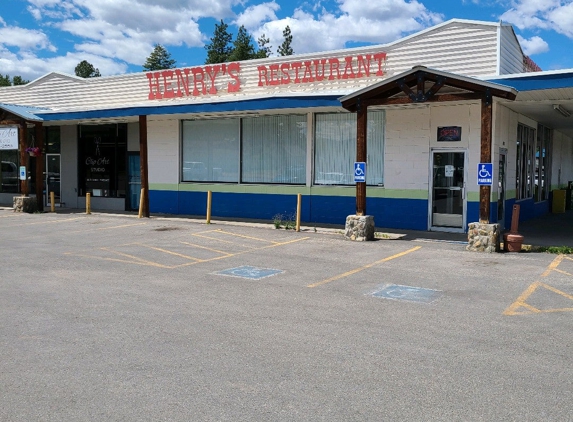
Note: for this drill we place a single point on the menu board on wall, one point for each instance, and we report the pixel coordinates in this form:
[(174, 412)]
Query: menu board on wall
[(8, 138)]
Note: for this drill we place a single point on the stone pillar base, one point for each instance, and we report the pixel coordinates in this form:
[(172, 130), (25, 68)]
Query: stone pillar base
[(25, 204), (483, 237), (359, 227)]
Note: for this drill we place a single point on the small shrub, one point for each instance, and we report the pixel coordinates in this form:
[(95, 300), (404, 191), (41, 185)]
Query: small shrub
[(290, 222), (278, 220), (565, 250)]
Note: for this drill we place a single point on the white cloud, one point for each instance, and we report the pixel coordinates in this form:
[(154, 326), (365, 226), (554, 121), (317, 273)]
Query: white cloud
[(24, 38), (356, 21), (554, 15), (111, 34), (35, 12), (254, 16), (533, 45)]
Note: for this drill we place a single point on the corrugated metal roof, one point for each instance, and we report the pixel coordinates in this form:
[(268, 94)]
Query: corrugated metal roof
[(24, 112)]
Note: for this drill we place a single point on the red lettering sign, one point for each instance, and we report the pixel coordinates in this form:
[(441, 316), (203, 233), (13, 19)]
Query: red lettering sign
[(209, 80), (193, 81)]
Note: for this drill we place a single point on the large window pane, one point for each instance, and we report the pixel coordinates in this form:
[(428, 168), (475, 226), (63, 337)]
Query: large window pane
[(102, 160), (335, 149), (9, 177), (525, 168), (211, 151), (274, 149)]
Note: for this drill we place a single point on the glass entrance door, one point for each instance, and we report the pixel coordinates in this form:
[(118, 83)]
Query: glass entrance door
[(501, 188), (448, 203), (53, 178), (134, 181)]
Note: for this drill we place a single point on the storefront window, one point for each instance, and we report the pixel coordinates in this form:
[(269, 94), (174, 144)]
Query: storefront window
[(525, 173), (274, 149), (542, 166), (103, 160), (9, 180), (335, 149), (211, 151), (52, 141)]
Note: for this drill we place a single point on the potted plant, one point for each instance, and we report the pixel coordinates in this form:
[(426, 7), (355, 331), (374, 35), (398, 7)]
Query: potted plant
[(33, 151)]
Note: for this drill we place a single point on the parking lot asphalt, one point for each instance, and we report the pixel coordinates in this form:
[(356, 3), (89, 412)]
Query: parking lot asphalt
[(110, 317)]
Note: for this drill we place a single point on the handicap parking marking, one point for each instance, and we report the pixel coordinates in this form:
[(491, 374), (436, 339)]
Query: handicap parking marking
[(357, 270), (406, 293), (248, 272), (523, 304)]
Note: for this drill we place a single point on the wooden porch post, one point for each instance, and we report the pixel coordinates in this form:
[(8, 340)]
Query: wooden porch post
[(23, 140), (40, 163), (143, 164), (361, 154), (485, 157)]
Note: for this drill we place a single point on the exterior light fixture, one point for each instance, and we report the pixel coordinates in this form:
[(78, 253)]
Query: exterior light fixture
[(561, 110)]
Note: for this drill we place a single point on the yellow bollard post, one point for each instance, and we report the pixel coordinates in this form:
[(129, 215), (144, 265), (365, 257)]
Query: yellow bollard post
[(88, 203), (141, 199), (52, 202), (298, 207), (209, 202)]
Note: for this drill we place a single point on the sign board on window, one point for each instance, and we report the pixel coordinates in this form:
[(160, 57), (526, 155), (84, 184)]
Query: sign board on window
[(449, 171), (8, 138), (449, 134)]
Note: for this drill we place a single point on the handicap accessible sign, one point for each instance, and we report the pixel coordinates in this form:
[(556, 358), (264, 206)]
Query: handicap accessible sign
[(485, 174), (359, 172)]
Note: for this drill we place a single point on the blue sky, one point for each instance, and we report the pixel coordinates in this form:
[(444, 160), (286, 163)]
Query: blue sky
[(116, 36)]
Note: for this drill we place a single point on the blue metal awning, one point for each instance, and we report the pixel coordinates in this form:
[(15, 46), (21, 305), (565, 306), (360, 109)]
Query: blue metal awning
[(25, 112)]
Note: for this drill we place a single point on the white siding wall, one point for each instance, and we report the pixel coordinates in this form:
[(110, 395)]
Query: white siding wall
[(163, 151), (463, 48), (412, 132), (562, 161), (511, 60), (406, 149), (505, 136)]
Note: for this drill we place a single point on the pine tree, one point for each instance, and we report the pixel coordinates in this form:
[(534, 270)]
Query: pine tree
[(264, 49), (19, 81), (159, 59), (85, 69), (219, 50), (5, 80), (285, 48), (242, 47)]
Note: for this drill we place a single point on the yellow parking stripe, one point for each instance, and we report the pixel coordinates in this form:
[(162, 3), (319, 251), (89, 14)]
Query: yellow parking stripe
[(346, 274), (221, 240), (206, 248), (170, 252), (553, 265), (245, 237)]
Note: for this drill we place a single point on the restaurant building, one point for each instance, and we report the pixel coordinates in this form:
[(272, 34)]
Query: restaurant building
[(259, 132)]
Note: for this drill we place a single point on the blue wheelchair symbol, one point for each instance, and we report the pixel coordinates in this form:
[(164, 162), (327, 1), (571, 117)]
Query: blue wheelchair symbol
[(359, 172), (485, 174)]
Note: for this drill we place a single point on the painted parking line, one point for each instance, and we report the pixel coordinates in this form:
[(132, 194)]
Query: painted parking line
[(175, 255), (43, 222), (123, 226), (521, 305), (357, 270)]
